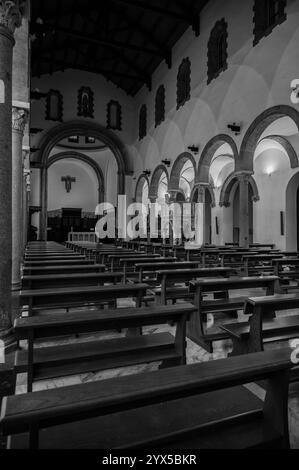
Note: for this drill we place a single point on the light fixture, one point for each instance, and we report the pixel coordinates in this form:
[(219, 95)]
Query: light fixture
[(147, 172), (194, 149), (166, 162), (236, 128)]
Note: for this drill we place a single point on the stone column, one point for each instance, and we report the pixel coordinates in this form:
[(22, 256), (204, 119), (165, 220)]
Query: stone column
[(10, 19), (243, 179), (19, 119), (200, 217), (26, 193)]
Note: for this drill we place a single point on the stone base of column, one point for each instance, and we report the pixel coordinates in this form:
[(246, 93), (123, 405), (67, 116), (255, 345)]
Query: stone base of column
[(16, 286), (7, 337)]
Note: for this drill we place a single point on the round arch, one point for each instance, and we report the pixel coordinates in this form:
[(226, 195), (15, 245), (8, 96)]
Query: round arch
[(139, 187), (255, 131), (154, 184), (78, 127), (89, 161), (209, 188), (283, 141), (208, 153), (228, 186), (174, 181)]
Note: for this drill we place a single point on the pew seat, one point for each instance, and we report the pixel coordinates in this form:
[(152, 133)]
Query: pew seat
[(203, 406), (76, 358)]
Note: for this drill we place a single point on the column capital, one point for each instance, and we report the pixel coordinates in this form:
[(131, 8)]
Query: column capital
[(19, 119), (10, 15), (244, 176)]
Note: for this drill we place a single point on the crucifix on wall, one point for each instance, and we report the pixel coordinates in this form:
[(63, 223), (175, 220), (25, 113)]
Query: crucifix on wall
[(68, 180)]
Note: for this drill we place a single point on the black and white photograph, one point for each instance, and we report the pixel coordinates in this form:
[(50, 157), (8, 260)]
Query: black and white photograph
[(149, 231)]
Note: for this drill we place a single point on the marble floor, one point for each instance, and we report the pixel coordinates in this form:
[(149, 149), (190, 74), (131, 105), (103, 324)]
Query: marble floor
[(195, 354)]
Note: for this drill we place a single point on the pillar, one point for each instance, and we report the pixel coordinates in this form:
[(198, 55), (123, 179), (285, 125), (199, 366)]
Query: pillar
[(200, 217), (10, 19), (19, 119), (26, 194), (243, 179)]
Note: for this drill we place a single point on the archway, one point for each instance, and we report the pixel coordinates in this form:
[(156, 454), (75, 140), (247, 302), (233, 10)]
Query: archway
[(183, 162), (230, 201), (159, 177), (208, 153), (255, 132), (79, 128), (89, 161), (142, 187)]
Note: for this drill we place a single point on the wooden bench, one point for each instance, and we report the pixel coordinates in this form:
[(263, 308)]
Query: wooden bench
[(7, 387), (63, 269), (222, 303), (52, 281), (287, 269), (263, 326), (149, 270), (200, 406), (81, 357), (254, 264), (72, 297), (168, 280), (128, 264), (61, 262)]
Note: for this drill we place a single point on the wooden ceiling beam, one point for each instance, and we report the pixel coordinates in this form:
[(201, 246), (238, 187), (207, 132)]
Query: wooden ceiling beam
[(148, 6), (50, 29)]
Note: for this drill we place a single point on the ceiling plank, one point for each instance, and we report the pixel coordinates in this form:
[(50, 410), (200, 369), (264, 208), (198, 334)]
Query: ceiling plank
[(49, 28), (148, 6)]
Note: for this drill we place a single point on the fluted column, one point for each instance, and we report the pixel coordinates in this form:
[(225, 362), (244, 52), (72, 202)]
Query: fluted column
[(19, 119), (10, 18), (243, 179)]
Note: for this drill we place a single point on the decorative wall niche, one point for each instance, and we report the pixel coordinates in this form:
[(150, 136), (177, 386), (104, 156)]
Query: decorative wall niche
[(142, 122), (184, 82), (267, 15), (160, 105), (86, 102), (54, 106), (217, 50), (114, 115)]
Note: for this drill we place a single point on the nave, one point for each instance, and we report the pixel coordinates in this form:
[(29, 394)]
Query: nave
[(116, 339)]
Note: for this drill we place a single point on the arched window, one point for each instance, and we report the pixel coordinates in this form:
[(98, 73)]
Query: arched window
[(54, 106), (160, 105), (114, 115), (142, 121), (184, 83), (217, 50), (267, 15), (85, 102)]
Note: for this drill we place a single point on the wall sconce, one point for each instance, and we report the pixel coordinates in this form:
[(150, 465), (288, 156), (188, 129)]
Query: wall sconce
[(194, 149), (236, 128), (147, 173), (166, 162)]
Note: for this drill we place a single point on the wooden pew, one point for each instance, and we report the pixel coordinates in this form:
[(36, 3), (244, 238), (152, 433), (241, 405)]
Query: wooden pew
[(59, 258), (149, 270), (63, 269), (255, 264), (128, 264), (200, 406), (71, 297), (51, 281), (82, 357), (168, 280), (263, 326), (221, 303), (287, 269), (7, 387), (62, 262)]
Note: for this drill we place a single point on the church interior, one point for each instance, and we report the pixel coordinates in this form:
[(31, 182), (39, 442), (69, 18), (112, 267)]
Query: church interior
[(164, 339)]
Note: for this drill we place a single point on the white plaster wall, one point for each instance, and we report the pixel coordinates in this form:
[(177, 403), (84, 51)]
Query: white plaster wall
[(83, 194)]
